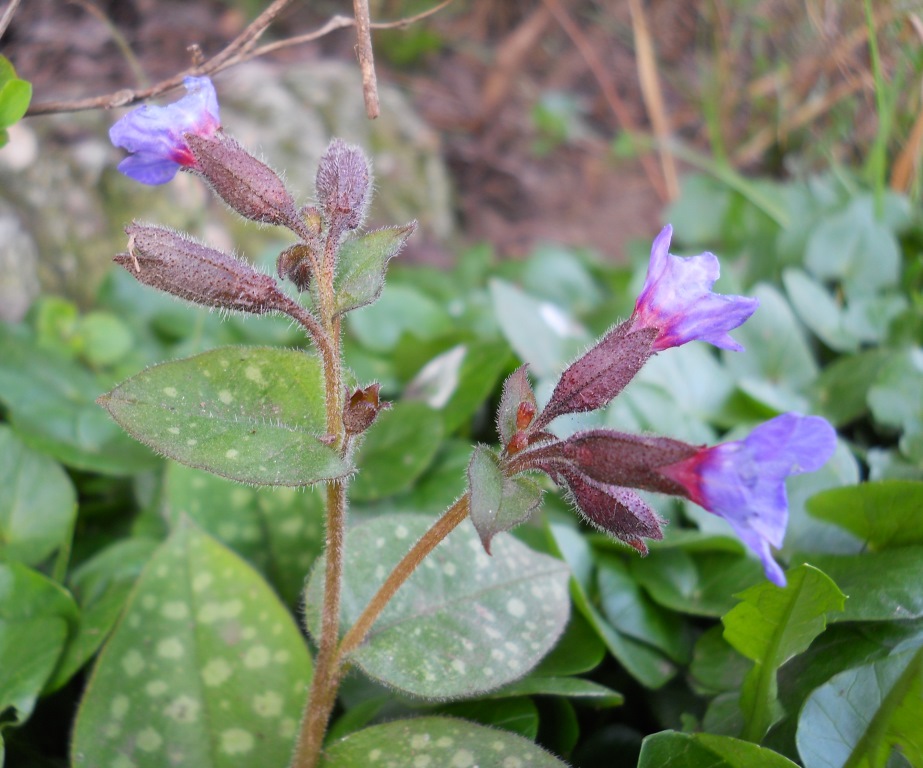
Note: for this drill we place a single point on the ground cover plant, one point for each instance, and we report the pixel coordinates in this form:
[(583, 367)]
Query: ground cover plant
[(548, 512)]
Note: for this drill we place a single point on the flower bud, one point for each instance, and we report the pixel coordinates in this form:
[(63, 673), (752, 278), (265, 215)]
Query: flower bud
[(362, 409), (344, 177), (294, 264), (179, 265), (247, 185)]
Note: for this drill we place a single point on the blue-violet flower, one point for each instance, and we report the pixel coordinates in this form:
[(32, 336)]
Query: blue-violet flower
[(155, 135), (678, 302), (744, 481)]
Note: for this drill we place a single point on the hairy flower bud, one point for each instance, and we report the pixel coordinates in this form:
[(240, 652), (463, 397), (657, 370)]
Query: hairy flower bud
[(294, 263), (362, 409), (247, 185), (344, 178), (177, 264)]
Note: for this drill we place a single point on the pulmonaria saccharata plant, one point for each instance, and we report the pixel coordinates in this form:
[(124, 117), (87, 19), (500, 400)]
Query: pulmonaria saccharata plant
[(742, 481), (300, 425)]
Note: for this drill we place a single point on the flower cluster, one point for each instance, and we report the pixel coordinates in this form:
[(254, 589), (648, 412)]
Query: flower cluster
[(741, 481)]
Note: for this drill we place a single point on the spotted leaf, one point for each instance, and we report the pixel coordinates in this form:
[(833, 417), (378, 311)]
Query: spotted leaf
[(436, 741), (464, 622), (253, 414), (206, 668)]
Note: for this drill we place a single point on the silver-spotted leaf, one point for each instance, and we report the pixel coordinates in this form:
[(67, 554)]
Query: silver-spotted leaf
[(253, 414), (463, 623), (436, 741), (206, 668)]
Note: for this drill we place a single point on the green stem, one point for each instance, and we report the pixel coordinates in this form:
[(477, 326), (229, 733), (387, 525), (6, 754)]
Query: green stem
[(878, 154)]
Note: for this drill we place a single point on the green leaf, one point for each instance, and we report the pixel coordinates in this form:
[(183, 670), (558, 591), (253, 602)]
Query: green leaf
[(840, 392), (628, 608), (776, 347), (401, 309), (852, 246), (444, 741), (463, 623), (647, 665), (36, 617), (817, 309), (253, 414), (716, 667), (579, 650), (880, 586), (498, 503), (568, 687), (701, 583), (885, 514), (206, 668), (541, 333), (770, 626), (896, 398), (37, 502), (15, 96), (859, 717), (278, 530), (517, 714), (398, 448), (670, 749), (362, 263), (51, 402), (102, 586), (105, 338)]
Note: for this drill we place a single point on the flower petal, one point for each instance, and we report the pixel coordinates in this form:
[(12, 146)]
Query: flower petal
[(677, 300)]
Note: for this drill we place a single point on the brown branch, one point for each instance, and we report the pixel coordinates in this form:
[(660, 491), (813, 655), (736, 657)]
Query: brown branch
[(8, 16), (366, 58), (598, 69), (241, 49)]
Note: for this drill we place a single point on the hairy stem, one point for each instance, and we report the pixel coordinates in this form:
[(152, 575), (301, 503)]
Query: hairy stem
[(402, 571)]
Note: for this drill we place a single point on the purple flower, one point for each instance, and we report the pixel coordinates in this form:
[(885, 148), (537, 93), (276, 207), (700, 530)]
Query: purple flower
[(155, 135), (744, 481), (678, 302)]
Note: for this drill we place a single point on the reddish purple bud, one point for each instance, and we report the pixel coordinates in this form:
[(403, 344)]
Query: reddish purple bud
[(594, 379), (344, 177), (516, 443), (362, 408), (294, 264), (678, 303), (247, 185), (617, 511), (179, 265), (618, 458), (516, 400)]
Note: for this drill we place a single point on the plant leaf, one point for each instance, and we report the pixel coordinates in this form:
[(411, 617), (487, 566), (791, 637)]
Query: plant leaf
[(206, 668), (15, 96), (277, 530), (397, 449), (463, 623), (444, 741), (770, 626), (37, 503), (881, 586), (36, 617), (498, 503), (671, 749), (885, 514), (362, 263), (252, 414), (861, 715)]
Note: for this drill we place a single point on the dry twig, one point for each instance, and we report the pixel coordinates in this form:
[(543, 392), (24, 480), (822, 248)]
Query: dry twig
[(242, 48)]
